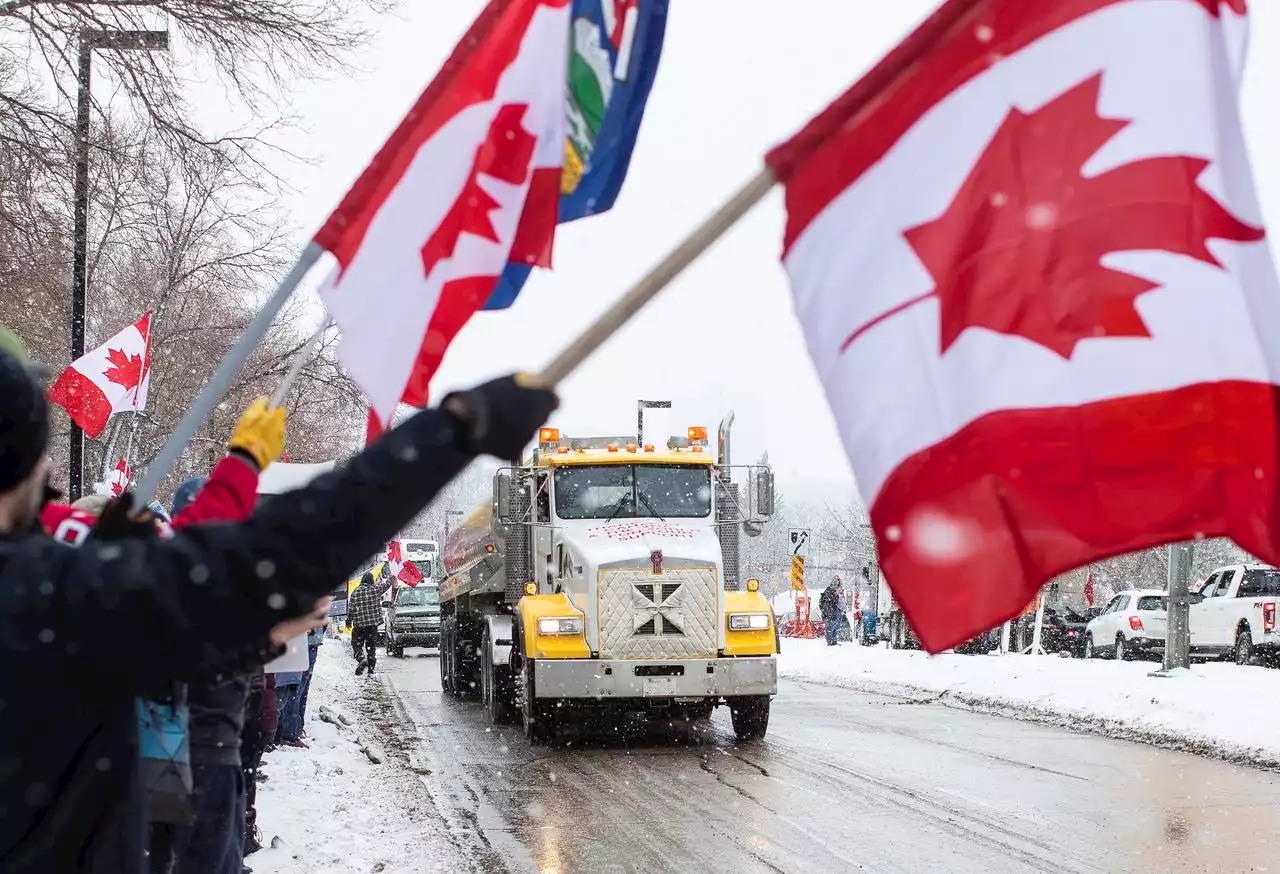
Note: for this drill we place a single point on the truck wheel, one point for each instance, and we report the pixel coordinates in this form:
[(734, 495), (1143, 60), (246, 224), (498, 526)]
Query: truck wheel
[(539, 719), (493, 689), (750, 716), (1244, 647)]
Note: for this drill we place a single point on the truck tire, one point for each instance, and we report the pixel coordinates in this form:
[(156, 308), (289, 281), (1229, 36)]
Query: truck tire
[(1244, 647), (539, 719), (750, 716), (494, 685)]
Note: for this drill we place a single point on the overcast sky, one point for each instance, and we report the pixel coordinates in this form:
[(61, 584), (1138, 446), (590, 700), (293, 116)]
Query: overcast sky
[(732, 83)]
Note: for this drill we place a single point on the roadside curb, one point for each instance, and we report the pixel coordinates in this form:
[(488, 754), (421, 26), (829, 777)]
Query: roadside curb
[(1083, 723)]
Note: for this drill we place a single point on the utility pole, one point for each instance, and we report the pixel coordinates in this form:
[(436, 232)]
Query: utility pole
[(1177, 640), (641, 406), (104, 40)]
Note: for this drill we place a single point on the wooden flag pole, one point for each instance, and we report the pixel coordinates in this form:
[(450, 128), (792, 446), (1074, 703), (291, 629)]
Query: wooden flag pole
[(222, 377), (657, 279)]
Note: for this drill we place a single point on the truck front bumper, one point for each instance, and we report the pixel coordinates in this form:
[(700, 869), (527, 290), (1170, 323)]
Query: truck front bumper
[(655, 678)]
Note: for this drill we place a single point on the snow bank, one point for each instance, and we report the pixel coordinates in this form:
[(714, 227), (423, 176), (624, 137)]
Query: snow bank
[(330, 808), (1215, 709)]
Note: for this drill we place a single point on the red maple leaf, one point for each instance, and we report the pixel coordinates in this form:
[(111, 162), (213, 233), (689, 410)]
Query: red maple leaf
[(125, 369), (1019, 250), (506, 154)]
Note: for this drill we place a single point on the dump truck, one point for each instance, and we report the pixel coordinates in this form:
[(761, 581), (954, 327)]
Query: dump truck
[(603, 575)]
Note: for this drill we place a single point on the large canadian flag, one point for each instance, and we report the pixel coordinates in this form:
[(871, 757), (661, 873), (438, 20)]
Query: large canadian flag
[(113, 378), (1030, 266), (469, 181)]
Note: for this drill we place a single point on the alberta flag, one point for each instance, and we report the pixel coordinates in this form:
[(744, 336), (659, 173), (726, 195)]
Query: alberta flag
[(614, 47)]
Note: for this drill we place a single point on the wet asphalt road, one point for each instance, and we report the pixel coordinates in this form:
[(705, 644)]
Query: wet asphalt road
[(844, 781)]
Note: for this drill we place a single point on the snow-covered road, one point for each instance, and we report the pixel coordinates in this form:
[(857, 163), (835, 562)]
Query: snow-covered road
[(847, 780)]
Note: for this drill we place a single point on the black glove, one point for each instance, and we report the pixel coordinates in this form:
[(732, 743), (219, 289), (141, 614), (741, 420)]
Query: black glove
[(500, 417), (118, 521)]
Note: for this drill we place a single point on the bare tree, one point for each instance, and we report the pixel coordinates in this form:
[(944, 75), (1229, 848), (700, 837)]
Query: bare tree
[(253, 47)]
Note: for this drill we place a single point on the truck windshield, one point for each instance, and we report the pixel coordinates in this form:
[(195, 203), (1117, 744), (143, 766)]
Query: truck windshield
[(420, 596), (629, 491)]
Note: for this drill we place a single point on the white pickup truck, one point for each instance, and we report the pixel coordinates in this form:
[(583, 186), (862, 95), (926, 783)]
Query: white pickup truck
[(1235, 613)]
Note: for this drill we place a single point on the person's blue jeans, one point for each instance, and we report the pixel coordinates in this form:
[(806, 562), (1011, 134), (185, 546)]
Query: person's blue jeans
[(832, 628), (214, 842), (288, 700), (313, 652)]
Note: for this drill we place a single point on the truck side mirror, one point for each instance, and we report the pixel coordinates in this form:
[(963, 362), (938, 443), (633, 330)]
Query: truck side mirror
[(764, 492), (502, 497)]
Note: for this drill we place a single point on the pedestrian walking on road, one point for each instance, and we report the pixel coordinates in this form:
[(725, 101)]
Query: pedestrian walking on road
[(288, 695), (365, 609)]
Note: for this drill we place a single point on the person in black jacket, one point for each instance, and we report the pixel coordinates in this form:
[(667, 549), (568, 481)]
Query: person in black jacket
[(83, 632)]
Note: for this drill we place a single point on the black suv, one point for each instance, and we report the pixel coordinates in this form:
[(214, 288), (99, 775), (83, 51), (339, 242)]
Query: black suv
[(413, 619)]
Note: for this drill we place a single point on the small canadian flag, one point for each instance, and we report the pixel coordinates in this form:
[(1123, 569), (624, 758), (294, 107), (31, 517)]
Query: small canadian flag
[(403, 571), (113, 378), (120, 478)]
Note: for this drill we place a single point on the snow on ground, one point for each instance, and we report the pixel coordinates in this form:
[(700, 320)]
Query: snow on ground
[(1216, 709), (331, 808)]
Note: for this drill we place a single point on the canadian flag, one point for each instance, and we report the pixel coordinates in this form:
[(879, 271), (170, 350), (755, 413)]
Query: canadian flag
[(120, 478), (404, 571), (113, 378), (468, 181), (1029, 263)]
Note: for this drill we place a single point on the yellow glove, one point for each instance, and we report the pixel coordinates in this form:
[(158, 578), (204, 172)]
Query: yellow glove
[(260, 433)]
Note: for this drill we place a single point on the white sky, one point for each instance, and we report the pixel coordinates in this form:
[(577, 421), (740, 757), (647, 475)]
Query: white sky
[(732, 83)]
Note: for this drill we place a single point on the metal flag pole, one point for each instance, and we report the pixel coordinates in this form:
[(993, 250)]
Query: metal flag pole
[(223, 376), (657, 279), (299, 362)]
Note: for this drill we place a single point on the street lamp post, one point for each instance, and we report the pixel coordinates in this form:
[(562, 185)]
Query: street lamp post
[(104, 40)]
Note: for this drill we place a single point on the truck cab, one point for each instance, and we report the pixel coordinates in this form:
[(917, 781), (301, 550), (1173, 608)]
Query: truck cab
[(618, 561)]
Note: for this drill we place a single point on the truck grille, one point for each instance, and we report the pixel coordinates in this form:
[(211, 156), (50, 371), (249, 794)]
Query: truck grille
[(670, 615)]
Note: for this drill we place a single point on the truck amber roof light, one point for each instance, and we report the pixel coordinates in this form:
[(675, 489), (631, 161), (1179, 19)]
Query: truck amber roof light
[(648, 447), (697, 449), (563, 450), (613, 447), (631, 447), (698, 435), (548, 435)]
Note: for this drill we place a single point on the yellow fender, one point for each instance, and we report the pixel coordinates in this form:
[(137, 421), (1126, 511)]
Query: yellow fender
[(748, 643), (550, 646)]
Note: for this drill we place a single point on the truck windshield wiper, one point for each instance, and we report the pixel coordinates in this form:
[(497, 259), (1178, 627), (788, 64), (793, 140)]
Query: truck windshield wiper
[(617, 508), (645, 500)]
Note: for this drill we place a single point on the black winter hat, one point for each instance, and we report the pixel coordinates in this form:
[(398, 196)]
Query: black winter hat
[(24, 421)]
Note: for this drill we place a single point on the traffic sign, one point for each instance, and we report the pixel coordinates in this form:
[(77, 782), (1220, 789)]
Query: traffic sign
[(799, 541)]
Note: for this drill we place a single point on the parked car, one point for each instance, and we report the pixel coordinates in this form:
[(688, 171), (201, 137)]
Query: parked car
[(1133, 624), (1235, 613), (413, 618)]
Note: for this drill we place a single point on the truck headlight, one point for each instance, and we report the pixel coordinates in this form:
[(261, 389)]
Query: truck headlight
[(560, 625), (748, 621)]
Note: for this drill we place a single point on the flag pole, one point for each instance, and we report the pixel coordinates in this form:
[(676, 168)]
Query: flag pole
[(222, 377), (299, 362), (658, 278)]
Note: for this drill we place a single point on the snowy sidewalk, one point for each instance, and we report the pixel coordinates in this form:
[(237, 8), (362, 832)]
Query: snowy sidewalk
[(330, 808), (1216, 709)]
